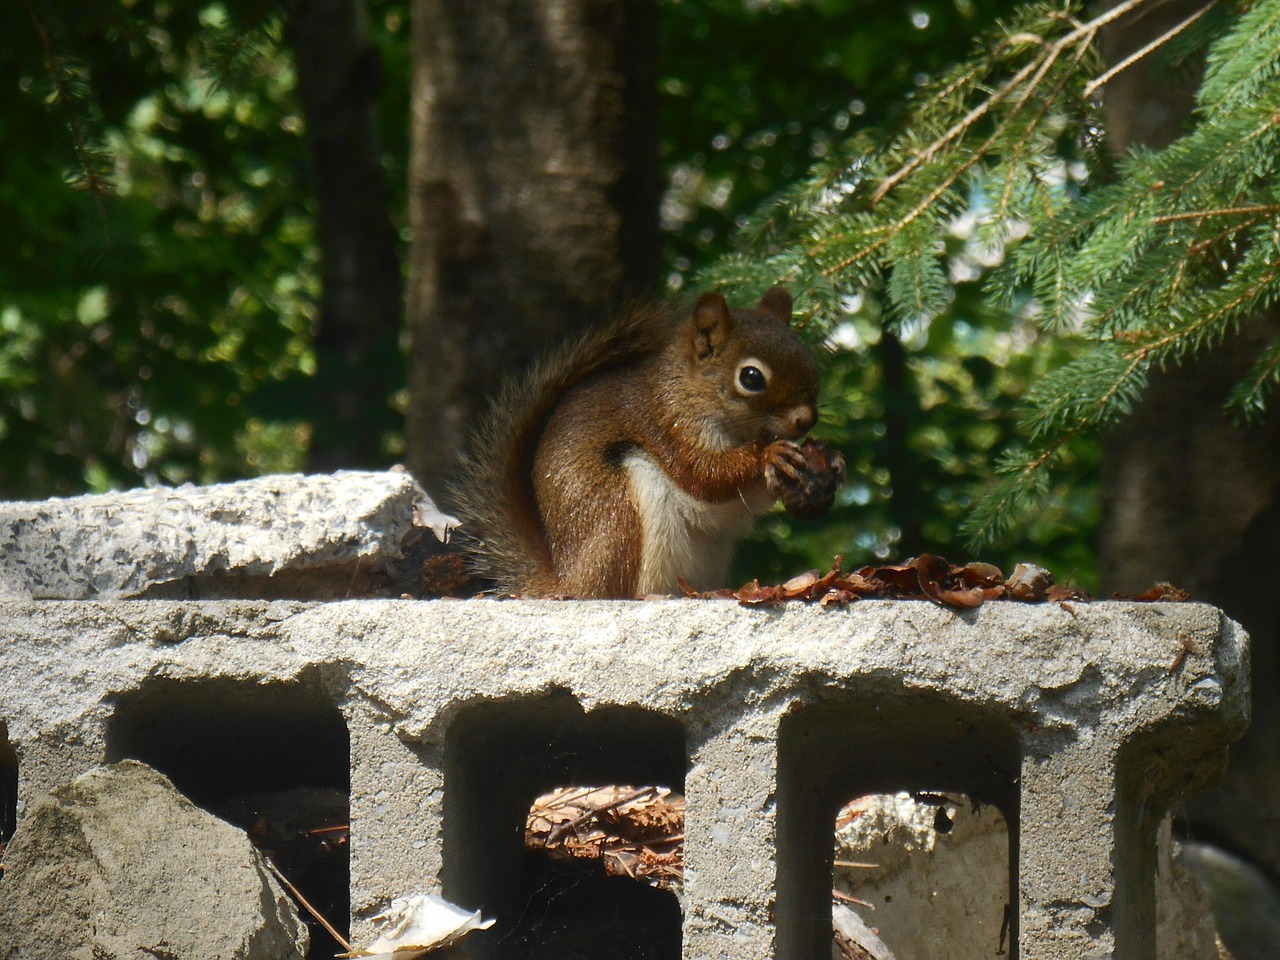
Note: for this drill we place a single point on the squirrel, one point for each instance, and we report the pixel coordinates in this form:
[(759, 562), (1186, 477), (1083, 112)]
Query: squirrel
[(639, 452)]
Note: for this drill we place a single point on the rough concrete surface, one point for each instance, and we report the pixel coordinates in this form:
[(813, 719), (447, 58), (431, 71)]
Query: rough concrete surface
[(283, 535), (117, 865), (772, 717), (934, 868), (941, 864)]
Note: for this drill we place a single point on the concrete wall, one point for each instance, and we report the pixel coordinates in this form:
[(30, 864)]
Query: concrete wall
[(1081, 722)]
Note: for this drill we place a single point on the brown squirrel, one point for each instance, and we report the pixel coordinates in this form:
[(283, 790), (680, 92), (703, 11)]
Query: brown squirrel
[(638, 453)]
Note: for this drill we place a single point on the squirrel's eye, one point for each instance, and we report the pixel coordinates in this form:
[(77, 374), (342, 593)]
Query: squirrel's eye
[(752, 380)]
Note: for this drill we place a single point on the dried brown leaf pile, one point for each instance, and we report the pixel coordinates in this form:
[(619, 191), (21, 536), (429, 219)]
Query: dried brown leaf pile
[(926, 577), (635, 833)]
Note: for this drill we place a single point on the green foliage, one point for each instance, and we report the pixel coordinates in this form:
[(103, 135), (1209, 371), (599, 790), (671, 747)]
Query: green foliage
[(149, 292), (158, 293), (753, 93), (1154, 261), (1172, 256), (967, 246)]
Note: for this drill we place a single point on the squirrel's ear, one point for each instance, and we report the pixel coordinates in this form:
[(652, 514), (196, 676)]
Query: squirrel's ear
[(712, 324), (777, 302)]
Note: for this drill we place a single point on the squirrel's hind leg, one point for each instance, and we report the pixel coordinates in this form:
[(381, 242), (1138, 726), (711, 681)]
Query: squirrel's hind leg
[(599, 557)]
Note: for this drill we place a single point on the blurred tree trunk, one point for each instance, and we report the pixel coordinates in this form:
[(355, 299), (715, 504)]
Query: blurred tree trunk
[(533, 194), (901, 399), (1192, 498), (356, 341)]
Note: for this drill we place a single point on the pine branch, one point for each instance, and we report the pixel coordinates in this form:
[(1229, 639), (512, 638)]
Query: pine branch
[(1097, 83), (234, 49), (1248, 401), (1257, 208), (1158, 261), (1025, 79), (74, 96), (1242, 60)]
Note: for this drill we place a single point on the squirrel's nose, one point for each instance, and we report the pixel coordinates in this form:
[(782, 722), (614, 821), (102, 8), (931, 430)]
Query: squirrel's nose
[(803, 418)]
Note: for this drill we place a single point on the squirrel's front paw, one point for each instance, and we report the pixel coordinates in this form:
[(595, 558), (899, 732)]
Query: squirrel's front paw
[(803, 476)]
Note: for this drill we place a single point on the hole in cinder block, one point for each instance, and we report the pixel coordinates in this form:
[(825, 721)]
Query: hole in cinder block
[(271, 758), (941, 767), (500, 758), (8, 790), (914, 867)]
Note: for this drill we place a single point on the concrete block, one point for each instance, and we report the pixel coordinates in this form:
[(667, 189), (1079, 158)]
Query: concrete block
[(294, 536), (1081, 723)]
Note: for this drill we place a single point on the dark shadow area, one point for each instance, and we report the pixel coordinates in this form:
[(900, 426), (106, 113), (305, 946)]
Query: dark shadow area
[(1157, 768), (8, 790), (498, 758), (273, 759), (833, 751)]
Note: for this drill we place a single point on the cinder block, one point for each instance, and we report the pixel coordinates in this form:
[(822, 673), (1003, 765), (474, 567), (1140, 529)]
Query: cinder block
[(1082, 722)]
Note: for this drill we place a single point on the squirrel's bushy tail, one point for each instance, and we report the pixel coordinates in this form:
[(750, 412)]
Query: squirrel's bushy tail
[(501, 524)]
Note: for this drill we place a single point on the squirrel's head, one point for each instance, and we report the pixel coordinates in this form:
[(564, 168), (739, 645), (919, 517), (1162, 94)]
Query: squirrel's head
[(763, 383)]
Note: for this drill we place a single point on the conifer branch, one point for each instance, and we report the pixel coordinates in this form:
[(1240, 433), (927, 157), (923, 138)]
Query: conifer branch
[(1083, 33), (1263, 209), (993, 511), (92, 164), (974, 158), (1021, 148), (1248, 400), (1160, 257), (1152, 349), (1103, 79)]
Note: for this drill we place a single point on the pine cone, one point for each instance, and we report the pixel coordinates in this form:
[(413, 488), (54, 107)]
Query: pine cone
[(805, 477)]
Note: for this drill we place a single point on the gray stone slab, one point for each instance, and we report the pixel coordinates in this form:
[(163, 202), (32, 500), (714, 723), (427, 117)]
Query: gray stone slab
[(292, 535), (116, 865)]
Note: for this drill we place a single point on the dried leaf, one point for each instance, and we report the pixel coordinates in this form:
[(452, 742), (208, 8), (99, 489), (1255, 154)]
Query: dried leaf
[(1028, 582), (633, 833), (1060, 594), (903, 579), (752, 593), (420, 924), (979, 574), (797, 586), (1160, 592), (968, 598), (837, 598)]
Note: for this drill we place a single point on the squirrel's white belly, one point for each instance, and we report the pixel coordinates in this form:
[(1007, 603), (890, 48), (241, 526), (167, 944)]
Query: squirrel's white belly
[(682, 536)]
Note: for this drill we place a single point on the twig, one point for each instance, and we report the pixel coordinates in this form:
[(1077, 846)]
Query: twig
[(563, 828), (1263, 208), (623, 864), (659, 841), (848, 899), (342, 942), (565, 799), (339, 828), (1103, 79), (855, 863)]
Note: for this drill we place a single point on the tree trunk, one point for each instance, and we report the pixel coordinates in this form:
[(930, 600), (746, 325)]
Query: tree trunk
[(533, 194), (1194, 499), (893, 453), (356, 339)]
